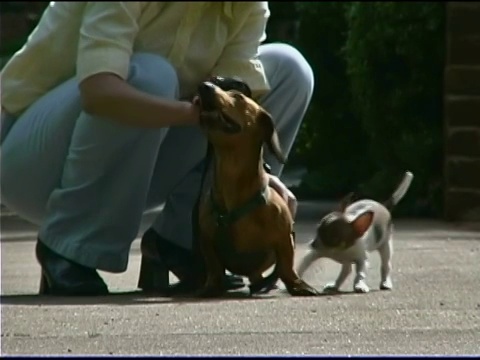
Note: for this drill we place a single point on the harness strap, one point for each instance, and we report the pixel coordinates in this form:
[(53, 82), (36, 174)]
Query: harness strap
[(226, 218), (196, 248)]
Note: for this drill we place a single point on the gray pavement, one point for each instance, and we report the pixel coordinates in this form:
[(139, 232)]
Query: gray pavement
[(433, 309)]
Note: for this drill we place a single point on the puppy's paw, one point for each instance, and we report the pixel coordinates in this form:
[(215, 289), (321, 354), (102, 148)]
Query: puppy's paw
[(330, 288), (386, 284), (301, 288), (361, 288)]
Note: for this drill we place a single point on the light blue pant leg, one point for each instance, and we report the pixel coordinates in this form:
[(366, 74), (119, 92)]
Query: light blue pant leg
[(177, 179), (183, 148), (291, 80), (84, 179)]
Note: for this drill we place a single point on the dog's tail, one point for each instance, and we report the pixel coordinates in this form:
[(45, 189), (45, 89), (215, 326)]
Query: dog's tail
[(400, 192)]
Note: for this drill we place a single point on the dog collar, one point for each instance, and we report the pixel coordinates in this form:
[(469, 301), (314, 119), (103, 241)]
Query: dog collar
[(226, 218)]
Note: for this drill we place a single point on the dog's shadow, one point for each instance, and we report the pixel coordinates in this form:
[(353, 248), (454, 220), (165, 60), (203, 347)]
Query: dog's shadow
[(128, 298), (349, 292), (139, 298)]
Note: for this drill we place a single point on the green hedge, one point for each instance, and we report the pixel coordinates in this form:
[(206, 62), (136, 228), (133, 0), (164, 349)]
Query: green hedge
[(331, 142), (377, 107)]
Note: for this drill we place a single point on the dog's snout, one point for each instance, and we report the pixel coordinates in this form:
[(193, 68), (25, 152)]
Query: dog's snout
[(206, 86), (206, 91)]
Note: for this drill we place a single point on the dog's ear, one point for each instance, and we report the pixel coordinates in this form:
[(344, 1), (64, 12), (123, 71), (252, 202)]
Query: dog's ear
[(270, 135), (345, 201), (361, 222)]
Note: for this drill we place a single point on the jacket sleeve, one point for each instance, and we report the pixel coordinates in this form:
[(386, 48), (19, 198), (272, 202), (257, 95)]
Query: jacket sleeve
[(107, 35), (240, 55)]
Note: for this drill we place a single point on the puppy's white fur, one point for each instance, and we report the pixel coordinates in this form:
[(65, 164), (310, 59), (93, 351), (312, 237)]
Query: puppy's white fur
[(378, 237)]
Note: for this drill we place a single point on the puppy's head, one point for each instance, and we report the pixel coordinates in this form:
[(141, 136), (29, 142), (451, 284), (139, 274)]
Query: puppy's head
[(231, 118), (339, 230)]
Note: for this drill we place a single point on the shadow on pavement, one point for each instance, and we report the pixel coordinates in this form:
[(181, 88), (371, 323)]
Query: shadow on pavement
[(139, 298), (119, 298)]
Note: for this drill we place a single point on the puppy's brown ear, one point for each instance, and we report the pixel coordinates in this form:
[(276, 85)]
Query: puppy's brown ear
[(270, 135), (345, 201), (361, 222)]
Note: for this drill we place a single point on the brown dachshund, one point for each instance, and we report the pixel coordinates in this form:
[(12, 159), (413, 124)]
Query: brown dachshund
[(244, 225)]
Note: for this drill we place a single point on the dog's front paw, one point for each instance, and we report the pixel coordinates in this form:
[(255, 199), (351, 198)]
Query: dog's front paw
[(361, 287), (301, 288), (330, 288), (256, 289), (386, 284)]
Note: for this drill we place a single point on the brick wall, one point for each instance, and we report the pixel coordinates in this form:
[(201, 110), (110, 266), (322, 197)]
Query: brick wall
[(462, 112)]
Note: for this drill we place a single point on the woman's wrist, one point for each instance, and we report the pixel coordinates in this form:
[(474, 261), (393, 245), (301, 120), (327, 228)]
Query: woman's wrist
[(189, 113)]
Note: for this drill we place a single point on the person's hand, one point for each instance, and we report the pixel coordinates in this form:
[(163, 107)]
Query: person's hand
[(196, 100), (284, 192), (190, 112)]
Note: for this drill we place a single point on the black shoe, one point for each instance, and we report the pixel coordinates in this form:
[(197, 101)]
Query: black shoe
[(63, 277), (159, 256)]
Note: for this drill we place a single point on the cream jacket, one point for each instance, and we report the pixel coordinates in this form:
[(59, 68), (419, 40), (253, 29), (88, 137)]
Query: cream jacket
[(84, 38)]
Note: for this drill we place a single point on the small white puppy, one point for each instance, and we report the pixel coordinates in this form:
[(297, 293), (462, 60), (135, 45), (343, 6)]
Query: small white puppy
[(348, 235)]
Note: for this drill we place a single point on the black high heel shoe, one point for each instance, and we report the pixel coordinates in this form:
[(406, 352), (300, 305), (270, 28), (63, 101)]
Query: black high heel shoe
[(160, 256), (63, 277)]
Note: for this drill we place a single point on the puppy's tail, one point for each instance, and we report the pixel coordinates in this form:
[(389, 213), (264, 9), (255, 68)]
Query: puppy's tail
[(400, 192)]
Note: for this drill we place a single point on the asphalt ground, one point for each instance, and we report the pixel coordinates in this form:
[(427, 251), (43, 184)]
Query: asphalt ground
[(434, 307)]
